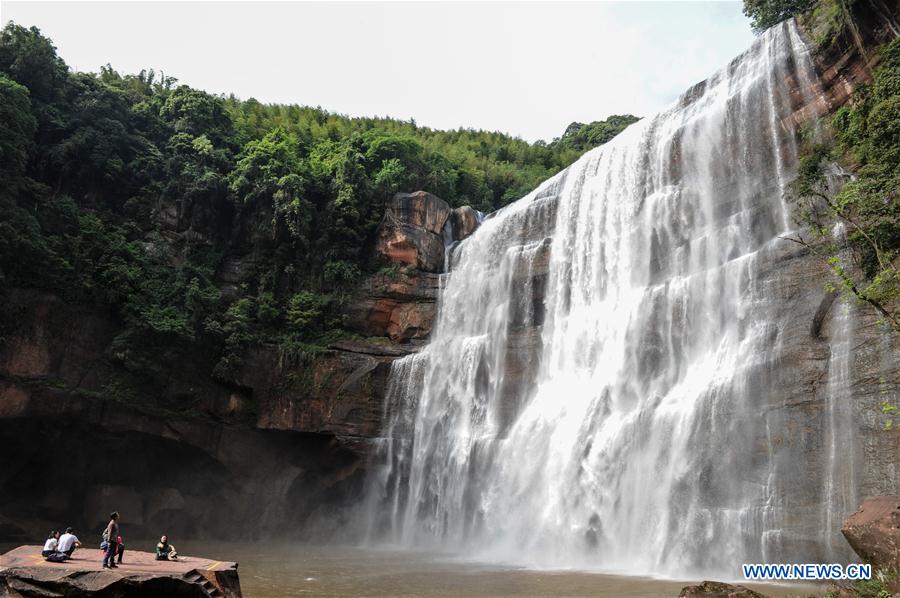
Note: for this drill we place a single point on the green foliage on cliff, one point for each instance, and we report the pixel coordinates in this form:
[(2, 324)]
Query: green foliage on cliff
[(207, 219), (866, 140), (765, 13), (877, 587), (581, 137)]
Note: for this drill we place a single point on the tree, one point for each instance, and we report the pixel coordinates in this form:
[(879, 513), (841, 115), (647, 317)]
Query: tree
[(197, 113), (30, 59), (582, 137), (17, 127), (766, 13)]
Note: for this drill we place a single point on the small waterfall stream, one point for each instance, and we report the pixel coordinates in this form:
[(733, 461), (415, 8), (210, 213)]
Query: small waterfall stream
[(839, 493), (595, 393)]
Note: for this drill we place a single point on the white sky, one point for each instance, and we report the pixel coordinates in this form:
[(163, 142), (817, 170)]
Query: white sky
[(524, 68)]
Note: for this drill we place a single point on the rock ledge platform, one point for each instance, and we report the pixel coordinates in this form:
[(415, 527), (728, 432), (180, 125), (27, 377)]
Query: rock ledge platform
[(23, 572)]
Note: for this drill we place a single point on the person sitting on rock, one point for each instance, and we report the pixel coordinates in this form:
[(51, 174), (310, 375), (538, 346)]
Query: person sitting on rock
[(165, 551), (51, 544), (68, 542)]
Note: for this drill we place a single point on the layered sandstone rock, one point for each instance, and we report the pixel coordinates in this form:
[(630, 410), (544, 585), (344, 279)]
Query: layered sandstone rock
[(874, 531), (412, 231), (24, 574), (396, 303)]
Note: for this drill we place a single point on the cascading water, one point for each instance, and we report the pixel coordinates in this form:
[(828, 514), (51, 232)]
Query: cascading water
[(593, 389), (839, 484)]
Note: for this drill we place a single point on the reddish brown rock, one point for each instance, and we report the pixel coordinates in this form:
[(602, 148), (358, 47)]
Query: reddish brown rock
[(340, 393), (23, 572), (874, 531), (844, 58), (410, 321), (464, 220), (399, 305), (717, 589), (412, 230)]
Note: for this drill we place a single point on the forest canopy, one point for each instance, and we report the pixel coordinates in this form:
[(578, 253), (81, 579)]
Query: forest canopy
[(134, 190)]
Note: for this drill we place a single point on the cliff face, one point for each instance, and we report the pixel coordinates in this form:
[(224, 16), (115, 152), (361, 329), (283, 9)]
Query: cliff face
[(277, 446)]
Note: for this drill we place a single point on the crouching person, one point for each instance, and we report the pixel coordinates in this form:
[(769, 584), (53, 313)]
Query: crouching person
[(165, 551), (68, 542), (51, 544)]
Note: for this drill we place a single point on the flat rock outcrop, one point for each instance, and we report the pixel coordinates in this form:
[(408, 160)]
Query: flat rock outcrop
[(874, 531), (24, 573)]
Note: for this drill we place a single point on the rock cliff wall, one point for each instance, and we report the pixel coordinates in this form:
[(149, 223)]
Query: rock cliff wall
[(277, 446)]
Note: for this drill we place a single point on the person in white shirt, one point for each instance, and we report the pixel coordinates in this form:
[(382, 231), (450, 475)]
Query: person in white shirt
[(68, 542), (51, 544)]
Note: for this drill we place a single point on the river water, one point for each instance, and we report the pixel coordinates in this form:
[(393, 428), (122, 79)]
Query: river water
[(280, 569)]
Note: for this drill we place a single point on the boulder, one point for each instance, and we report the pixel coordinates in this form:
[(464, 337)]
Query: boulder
[(464, 221), (412, 230), (718, 589), (874, 531)]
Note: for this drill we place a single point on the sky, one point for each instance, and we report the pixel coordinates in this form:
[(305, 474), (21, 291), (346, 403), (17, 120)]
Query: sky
[(525, 68)]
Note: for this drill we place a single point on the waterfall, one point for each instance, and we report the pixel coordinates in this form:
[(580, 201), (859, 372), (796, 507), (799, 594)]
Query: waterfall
[(595, 392), (839, 495)]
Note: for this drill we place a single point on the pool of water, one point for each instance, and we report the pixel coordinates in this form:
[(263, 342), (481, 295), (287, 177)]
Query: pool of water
[(281, 570)]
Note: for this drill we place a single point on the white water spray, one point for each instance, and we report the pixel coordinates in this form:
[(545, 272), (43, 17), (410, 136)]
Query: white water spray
[(591, 394)]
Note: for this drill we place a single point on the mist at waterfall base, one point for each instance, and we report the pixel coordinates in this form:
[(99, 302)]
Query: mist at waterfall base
[(595, 391)]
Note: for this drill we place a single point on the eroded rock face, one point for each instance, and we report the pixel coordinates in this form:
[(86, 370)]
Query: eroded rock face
[(464, 221), (397, 304), (279, 439), (339, 393), (874, 531), (412, 231)]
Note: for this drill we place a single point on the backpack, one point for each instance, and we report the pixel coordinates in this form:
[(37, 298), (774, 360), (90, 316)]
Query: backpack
[(104, 538)]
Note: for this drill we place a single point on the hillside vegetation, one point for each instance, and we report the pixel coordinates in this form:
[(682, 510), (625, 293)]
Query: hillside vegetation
[(131, 191)]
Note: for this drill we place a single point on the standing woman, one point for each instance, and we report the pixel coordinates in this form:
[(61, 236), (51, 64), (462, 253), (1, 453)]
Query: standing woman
[(112, 546)]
